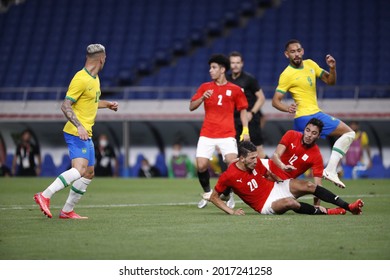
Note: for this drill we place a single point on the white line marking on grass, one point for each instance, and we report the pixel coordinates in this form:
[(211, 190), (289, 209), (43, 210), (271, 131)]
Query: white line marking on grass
[(25, 207)]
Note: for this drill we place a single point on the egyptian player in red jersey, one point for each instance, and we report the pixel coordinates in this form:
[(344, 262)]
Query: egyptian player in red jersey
[(220, 98), (298, 152), (248, 179)]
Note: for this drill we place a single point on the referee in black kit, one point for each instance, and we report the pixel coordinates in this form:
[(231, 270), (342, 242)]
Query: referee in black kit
[(256, 99)]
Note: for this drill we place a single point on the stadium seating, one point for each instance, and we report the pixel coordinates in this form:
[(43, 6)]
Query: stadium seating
[(137, 166), (48, 168), (42, 46), (168, 43), (65, 164), (9, 160), (161, 165), (377, 170)]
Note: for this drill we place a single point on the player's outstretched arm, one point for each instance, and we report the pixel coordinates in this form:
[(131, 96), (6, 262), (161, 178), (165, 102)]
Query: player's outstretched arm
[(214, 198)]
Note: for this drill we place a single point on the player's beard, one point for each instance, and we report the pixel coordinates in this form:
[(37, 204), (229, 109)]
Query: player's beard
[(297, 61)]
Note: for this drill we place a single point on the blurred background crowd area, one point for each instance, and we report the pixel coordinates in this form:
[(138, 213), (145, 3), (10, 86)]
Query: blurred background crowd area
[(158, 50)]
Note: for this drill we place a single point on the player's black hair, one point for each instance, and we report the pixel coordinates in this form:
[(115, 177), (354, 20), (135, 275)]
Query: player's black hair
[(221, 60), (292, 41), (246, 147), (317, 122)]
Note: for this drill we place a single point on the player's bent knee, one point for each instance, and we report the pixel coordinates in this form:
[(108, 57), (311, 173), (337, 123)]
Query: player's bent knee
[(292, 204), (283, 205), (310, 186)]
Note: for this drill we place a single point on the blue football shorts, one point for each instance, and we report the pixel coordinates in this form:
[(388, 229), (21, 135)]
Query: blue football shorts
[(80, 148), (330, 123)]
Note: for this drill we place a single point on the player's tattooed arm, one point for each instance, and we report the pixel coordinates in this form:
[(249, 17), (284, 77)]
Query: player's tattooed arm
[(66, 108)]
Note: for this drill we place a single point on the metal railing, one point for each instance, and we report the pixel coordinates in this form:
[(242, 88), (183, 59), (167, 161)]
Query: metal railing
[(160, 93)]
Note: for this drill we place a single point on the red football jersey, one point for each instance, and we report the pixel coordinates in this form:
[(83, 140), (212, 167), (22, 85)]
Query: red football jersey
[(250, 186), (299, 156), (219, 109)]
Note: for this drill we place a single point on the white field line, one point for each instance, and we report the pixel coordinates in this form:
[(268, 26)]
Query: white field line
[(25, 207)]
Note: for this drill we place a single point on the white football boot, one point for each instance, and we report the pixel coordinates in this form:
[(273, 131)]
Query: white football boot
[(203, 202)]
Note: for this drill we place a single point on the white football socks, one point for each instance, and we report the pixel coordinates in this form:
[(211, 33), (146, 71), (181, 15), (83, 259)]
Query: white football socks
[(339, 149), (77, 190), (65, 179)]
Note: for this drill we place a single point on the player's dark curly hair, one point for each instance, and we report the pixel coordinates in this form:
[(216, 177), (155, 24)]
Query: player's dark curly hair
[(221, 60), (246, 147), (317, 122)]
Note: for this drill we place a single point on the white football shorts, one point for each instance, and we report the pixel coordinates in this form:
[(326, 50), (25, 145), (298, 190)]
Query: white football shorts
[(206, 146), (280, 190)]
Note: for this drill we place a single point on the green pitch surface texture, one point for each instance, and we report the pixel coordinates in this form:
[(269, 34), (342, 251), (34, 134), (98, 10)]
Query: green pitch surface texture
[(158, 219)]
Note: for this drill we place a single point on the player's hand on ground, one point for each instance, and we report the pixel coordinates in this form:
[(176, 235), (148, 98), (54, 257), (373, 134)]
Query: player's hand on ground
[(239, 212), (322, 209)]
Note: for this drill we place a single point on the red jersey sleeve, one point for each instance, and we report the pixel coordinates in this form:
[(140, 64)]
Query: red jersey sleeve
[(199, 92), (288, 138), (222, 183), (260, 168)]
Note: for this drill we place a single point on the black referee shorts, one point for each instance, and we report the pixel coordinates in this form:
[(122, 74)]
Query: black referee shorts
[(255, 131)]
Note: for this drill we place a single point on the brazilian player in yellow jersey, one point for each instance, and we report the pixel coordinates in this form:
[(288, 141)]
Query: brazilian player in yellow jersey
[(80, 107), (299, 79)]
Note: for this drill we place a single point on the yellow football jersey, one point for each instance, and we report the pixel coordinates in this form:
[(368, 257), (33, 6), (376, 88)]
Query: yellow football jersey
[(84, 91), (301, 83)]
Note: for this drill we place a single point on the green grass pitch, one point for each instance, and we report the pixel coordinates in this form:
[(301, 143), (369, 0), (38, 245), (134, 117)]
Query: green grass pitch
[(157, 219)]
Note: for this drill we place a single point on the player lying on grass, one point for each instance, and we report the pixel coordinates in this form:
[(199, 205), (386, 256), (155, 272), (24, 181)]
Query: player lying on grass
[(298, 152), (255, 185)]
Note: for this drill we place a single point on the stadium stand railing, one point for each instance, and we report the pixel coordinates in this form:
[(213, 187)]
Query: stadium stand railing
[(353, 92)]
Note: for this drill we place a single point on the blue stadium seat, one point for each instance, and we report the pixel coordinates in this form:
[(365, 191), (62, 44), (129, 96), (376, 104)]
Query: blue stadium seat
[(34, 53), (65, 164), (9, 160), (48, 169), (377, 170), (161, 165), (137, 166)]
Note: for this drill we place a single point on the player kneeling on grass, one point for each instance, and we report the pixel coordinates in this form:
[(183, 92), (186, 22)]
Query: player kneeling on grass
[(255, 185)]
